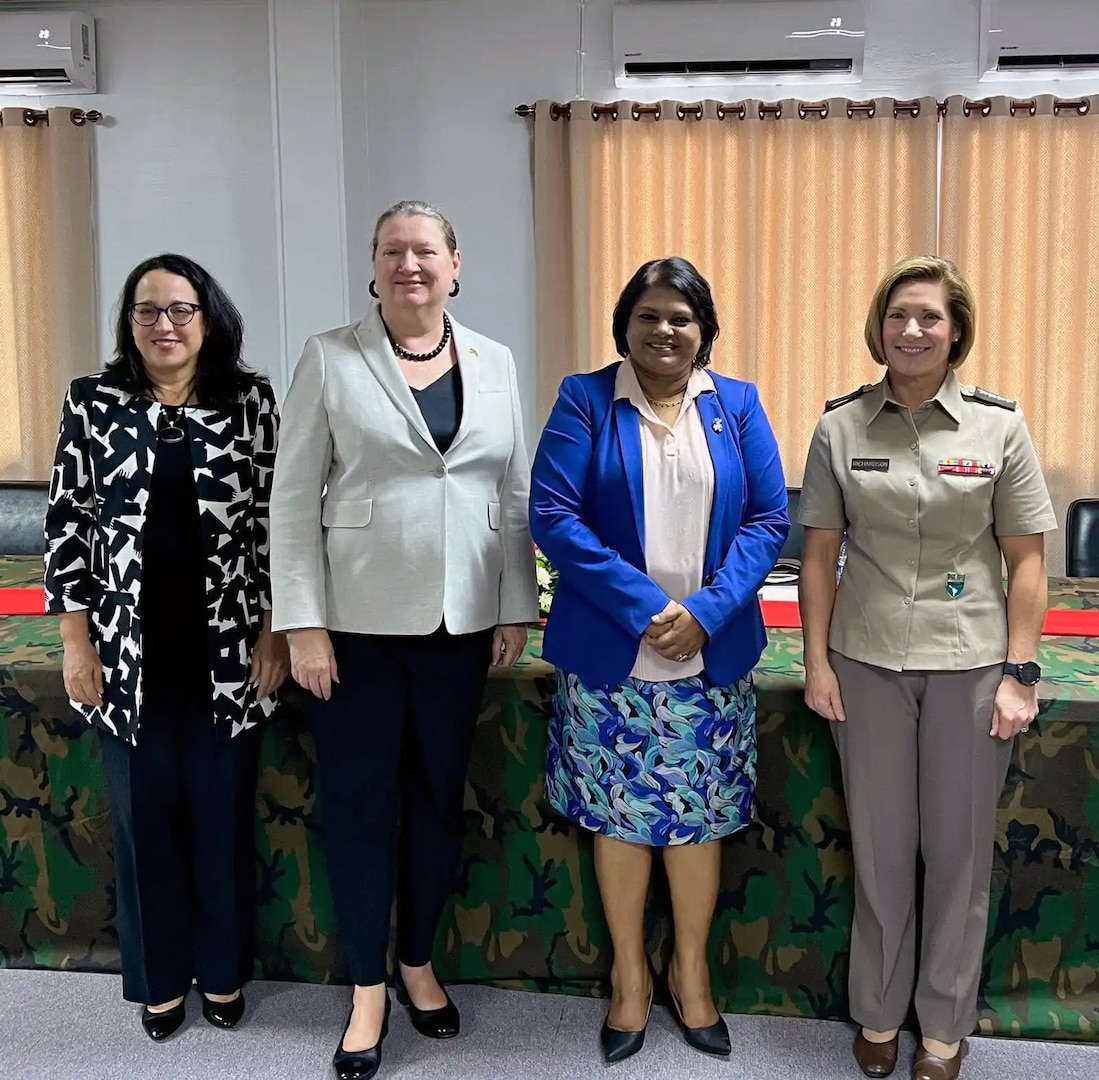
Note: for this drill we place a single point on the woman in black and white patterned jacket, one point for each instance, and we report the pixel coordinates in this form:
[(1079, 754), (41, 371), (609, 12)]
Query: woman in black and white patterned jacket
[(157, 564)]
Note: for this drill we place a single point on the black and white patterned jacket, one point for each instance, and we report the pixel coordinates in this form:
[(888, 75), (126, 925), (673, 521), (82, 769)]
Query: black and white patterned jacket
[(96, 519)]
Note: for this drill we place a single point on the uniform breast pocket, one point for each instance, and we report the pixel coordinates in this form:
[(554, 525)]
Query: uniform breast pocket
[(874, 498), (961, 506)]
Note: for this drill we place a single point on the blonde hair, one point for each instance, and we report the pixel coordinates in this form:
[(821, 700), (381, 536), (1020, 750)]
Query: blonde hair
[(959, 297), (416, 208)]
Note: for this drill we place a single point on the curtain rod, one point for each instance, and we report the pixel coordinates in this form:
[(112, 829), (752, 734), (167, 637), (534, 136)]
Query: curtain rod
[(819, 109), (79, 117)]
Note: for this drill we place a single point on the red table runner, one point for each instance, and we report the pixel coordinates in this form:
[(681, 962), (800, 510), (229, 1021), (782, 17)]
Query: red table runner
[(777, 614)]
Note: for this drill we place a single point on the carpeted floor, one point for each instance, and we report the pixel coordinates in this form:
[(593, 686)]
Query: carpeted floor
[(57, 1025)]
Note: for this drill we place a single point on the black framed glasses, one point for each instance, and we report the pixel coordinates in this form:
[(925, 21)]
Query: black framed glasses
[(178, 314)]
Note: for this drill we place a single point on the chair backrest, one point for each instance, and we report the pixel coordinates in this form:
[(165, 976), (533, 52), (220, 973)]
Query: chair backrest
[(1082, 539), (23, 516), (795, 541)]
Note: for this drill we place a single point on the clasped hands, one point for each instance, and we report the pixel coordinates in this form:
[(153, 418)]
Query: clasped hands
[(675, 633)]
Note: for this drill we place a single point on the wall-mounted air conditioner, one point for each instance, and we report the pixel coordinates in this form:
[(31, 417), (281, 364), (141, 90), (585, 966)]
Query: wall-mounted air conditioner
[(1039, 39), (740, 42), (48, 52)]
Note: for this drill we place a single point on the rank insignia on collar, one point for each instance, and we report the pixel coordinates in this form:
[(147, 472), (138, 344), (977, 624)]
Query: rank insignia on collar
[(955, 583)]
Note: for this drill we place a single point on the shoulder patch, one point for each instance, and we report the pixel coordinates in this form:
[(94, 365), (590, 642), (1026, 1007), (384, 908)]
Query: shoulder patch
[(987, 397), (835, 403)]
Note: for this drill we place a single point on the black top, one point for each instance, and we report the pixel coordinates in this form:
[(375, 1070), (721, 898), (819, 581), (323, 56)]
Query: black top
[(441, 407), (175, 660)]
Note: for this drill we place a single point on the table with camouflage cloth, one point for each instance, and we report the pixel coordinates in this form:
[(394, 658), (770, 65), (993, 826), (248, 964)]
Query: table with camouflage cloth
[(526, 912)]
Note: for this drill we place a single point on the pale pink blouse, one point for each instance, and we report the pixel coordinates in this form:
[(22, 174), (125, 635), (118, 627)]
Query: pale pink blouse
[(678, 477)]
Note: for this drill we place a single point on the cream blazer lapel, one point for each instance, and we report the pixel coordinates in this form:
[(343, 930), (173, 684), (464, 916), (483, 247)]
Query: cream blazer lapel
[(382, 361)]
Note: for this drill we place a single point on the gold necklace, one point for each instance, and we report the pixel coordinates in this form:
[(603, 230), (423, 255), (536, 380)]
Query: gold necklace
[(666, 404)]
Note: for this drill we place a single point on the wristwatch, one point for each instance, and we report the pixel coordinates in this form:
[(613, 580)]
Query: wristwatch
[(1028, 673)]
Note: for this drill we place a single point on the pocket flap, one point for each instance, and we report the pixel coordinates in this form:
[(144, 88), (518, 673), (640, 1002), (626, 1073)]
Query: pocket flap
[(347, 513), (494, 515)]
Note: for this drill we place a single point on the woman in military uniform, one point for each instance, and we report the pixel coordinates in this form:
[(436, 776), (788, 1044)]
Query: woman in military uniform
[(925, 668)]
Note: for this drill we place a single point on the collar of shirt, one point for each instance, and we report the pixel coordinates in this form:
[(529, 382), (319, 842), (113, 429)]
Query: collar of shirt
[(948, 398), (627, 386)]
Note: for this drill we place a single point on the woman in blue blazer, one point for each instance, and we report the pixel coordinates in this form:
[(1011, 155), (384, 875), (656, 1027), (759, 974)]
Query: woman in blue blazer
[(658, 494)]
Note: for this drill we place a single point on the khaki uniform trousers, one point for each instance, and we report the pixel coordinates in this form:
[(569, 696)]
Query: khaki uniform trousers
[(921, 776)]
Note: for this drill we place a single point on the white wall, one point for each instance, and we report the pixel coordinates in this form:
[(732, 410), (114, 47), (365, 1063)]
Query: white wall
[(442, 80), (444, 75), (185, 161)]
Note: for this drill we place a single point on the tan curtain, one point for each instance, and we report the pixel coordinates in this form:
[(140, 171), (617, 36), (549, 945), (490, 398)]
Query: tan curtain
[(792, 216), (1020, 207), (48, 331)]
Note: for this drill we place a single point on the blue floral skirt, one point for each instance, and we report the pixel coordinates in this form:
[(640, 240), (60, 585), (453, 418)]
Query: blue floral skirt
[(655, 763)]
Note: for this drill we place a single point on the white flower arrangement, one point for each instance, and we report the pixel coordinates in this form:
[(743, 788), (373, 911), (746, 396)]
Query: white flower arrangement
[(547, 581)]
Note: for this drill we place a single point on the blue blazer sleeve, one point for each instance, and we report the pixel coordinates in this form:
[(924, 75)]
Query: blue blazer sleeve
[(762, 530), (558, 479)]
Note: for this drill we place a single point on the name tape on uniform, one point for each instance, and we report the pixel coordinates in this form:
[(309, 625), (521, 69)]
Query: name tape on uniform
[(870, 464)]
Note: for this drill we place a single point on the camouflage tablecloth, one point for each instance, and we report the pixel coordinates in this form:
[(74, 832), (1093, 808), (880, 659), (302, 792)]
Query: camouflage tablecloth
[(526, 912)]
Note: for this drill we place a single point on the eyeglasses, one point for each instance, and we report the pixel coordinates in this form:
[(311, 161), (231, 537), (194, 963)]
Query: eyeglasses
[(149, 314)]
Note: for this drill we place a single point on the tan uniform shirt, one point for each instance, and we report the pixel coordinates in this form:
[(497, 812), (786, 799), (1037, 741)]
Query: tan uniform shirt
[(678, 481), (923, 496)]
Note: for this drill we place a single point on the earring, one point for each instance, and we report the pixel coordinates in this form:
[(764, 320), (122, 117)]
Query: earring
[(456, 287), (373, 291)]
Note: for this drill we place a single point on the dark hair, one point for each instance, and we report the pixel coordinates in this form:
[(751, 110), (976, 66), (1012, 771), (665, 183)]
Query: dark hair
[(222, 376), (673, 273)]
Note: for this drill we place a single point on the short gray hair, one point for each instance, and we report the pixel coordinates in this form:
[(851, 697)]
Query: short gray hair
[(415, 208)]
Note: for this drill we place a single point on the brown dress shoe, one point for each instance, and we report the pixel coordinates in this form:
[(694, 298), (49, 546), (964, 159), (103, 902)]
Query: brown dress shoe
[(876, 1059), (926, 1066)]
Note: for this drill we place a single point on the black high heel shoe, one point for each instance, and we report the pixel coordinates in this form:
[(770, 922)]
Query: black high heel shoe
[(619, 1045), (159, 1025), (443, 1023), (223, 1014), (712, 1039), (361, 1064)]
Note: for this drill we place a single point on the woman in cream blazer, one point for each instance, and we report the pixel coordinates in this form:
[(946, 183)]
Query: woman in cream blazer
[(402, 565)]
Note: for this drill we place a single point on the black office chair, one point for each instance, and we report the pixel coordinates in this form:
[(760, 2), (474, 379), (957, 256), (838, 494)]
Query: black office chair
[(795, 541), (23, 516), (1082, 539), (788, 565)]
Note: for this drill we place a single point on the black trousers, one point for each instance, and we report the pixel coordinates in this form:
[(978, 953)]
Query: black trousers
[(393, 745), (183, 808)]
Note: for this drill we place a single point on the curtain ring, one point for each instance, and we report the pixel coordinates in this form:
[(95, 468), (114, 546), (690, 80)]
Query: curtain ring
[(604, 110), (818, 109), (774, 111), (560, 112), (1081, 106), (1017, 106), (910, 107), (681, 111), (980, 103), (732, 106), (868, 107), (29, 117), (637, 111)]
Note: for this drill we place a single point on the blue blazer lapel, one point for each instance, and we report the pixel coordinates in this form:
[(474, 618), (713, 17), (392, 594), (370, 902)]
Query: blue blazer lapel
[(628, 425), (719, 438)]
